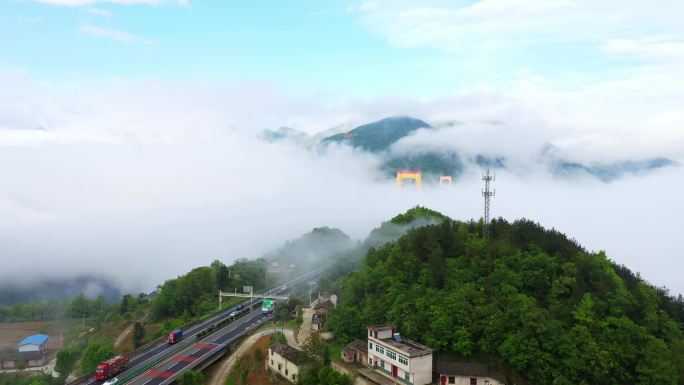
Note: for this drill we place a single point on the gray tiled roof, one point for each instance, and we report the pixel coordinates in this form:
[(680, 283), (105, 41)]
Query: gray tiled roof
[(289, 353)]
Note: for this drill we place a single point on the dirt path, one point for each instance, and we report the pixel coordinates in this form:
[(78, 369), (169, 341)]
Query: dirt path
[(305, 329), (220, 375), (120, 339)]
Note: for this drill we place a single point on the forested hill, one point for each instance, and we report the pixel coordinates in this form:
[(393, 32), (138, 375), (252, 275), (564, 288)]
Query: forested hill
[(529, 301)]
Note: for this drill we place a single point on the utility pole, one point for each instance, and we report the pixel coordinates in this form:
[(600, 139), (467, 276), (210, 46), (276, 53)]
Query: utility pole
[(487, 194)]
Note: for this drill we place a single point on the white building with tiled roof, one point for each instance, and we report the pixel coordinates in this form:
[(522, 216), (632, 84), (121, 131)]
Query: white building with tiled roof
[(398, 358)]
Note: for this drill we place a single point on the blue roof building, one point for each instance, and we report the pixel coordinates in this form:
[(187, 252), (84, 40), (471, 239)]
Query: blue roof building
[(33, 343)]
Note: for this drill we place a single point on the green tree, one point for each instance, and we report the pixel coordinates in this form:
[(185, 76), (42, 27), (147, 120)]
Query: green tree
[(138, 334), (94, 353), (66, 361), (222, 274), (326, 355), (125, 304), (191, 378)]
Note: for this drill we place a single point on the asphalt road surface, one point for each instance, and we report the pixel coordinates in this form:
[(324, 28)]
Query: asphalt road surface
[(172, 367)]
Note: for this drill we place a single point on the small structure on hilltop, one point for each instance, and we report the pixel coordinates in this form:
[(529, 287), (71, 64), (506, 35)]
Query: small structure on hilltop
[(287, 362), (468, 373), (398, 358), (355, 351)]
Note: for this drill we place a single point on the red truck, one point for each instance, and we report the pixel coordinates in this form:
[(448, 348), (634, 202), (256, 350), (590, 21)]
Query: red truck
[(175, 336), (111, 367)]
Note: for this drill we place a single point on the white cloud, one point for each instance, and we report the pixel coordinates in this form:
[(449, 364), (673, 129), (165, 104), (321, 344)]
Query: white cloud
[(508, 8), (160, 171), (512, 25), (99, 12), (649, 47), (113, 34)]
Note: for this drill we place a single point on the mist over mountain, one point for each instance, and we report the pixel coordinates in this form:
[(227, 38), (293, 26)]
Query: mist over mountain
[(42, 288), (317, 247), (390, 139), (606, 172)]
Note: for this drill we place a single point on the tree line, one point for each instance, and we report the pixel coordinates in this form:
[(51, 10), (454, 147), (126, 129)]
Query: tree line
[(77, 307), (195, 293)]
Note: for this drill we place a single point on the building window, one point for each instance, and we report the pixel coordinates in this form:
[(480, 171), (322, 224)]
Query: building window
[(370, 361), (452, 379), (391, 354), (370, 333), (294, 377), (473, 381), (486, 382), (286, 372), (403, 360), (271, 362), (382, 364), (280, 367), (379, 349), (407, 376), (370, 345)]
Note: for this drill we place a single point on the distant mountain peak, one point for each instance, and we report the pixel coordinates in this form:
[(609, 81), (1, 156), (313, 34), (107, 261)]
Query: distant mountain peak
[(378, 136)]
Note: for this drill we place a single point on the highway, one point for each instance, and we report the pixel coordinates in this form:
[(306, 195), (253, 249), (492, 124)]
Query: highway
[(197, 351), (168, 370)]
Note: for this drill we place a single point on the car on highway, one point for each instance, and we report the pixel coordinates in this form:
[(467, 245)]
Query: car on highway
[(111, 381), (233, 314)]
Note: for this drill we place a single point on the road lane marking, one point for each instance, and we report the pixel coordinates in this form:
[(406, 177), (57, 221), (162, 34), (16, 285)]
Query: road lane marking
[(184, 359), (158, 373)]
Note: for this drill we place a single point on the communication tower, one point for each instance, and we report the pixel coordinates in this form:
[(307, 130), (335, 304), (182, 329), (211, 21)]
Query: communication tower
[(487, 194)]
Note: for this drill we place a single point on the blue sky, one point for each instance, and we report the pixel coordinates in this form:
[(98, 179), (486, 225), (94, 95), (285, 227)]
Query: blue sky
[(308, 44), (362, 48)]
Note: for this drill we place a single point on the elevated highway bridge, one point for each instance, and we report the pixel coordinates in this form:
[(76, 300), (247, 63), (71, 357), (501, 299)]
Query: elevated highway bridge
[(159, 363)]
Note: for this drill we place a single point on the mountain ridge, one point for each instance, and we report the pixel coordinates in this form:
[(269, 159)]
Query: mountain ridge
[(379, 137)]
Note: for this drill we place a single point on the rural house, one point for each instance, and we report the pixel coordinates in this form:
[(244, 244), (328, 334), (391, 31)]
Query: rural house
[(286, 361), (355, 351), (398, 358), (468, 373)]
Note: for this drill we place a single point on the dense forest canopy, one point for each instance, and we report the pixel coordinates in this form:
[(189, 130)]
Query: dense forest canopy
[(528, 300)]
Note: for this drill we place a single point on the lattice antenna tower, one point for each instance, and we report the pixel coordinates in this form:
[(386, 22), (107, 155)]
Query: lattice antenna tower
[(487, 193)]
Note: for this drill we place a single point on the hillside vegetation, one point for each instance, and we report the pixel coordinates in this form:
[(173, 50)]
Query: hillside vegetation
[(528, 300)]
